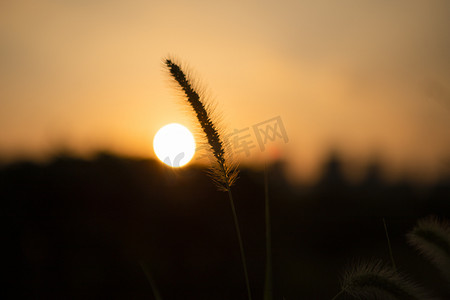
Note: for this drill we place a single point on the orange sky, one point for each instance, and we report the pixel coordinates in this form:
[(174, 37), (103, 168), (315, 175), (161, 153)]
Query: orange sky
[(366, 78)]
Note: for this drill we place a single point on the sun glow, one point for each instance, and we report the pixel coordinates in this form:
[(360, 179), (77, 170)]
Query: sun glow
[(174, 145)]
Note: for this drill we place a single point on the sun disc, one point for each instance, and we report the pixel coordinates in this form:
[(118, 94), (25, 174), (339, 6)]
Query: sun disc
[(174, 145)]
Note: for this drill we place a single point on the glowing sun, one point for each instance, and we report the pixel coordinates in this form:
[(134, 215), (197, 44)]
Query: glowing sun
[(174, 145)]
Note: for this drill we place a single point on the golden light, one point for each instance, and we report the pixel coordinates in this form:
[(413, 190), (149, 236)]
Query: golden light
[(174, 145)]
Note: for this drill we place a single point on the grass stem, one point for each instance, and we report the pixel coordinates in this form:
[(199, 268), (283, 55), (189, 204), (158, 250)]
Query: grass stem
[(241, 245), (268, 286), (338, 294), (156, 293), (389, 245)]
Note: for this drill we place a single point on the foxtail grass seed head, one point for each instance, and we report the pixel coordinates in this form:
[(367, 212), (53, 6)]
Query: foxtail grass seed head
[(375, 280), (222, 171), (432, 238)]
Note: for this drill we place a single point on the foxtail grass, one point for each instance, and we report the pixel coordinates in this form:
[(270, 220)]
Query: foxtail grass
[(375, 280), (222, 171), (432, 238)]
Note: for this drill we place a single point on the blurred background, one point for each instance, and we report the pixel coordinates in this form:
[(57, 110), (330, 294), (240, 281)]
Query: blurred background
[(361, 88), (370, 80)]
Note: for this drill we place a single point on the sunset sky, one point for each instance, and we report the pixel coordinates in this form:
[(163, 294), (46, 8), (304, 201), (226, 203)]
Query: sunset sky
[(367, 79)]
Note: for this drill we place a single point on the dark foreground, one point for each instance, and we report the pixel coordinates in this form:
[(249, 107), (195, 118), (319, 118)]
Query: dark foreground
[(77, 229)]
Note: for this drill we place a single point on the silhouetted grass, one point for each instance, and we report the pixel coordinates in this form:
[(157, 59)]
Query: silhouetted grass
[(222, 172)]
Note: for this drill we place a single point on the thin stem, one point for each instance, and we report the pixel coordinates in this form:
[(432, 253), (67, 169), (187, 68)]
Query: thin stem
[(241, 245), (389, 245), (268, 287), (151, 281), (338, 294)]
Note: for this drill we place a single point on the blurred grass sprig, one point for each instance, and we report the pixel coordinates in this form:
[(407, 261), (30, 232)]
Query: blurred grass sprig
[(432, 238)]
